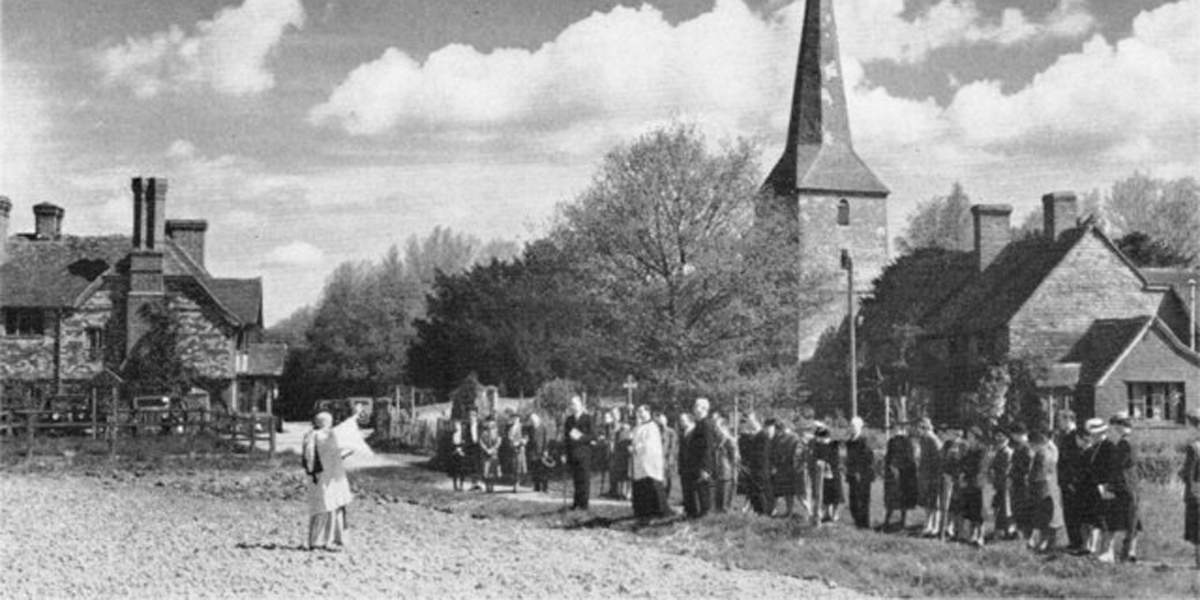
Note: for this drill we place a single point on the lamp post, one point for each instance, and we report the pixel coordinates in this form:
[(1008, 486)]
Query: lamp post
[(848, 265)]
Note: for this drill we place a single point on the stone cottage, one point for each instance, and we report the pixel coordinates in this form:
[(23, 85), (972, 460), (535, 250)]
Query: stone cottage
[(1098, 334), (74, 307)]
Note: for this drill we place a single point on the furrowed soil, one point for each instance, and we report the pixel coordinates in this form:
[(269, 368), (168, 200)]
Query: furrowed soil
[(190, 532)]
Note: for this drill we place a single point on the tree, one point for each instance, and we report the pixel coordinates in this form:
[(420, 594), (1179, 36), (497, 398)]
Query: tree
[(1147, 252), (988, 402), (662, 231), (155, 363), (1165, 210), (940, 222)]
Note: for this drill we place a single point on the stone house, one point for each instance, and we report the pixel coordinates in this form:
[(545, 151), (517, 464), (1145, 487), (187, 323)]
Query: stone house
[(74, 307), (1098, 334)]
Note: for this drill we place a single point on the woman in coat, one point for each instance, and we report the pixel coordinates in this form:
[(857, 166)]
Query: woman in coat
[(728, 460), (1044, 502), (827, 452), (785, 472), (330, 492), (517, 463), (489, 449), (929, 475), (900, 491)]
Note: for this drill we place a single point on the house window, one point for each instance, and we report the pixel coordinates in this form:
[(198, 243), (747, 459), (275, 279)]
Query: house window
[(95, 343), (24, 321), (1156, 401), (843, 216)]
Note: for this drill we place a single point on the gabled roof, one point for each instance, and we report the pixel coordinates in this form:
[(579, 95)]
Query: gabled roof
[(66, 272), (991, 298), (55, 273), (241, 297), (1108, 341)]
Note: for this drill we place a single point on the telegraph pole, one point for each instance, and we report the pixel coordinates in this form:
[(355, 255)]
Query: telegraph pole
[(848, 265)]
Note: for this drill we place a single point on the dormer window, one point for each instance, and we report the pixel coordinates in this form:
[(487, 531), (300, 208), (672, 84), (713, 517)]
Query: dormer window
[(843, 216)]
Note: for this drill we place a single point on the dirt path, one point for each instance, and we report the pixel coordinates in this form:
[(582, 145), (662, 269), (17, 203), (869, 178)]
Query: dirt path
[(103, 535)]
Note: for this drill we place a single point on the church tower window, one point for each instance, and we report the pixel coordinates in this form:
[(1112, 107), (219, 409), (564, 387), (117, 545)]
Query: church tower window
[(843, 216)]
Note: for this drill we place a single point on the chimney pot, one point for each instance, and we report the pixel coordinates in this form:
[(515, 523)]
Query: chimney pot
[(993, 230), (149, 212), (47, 221), (1059, 213)]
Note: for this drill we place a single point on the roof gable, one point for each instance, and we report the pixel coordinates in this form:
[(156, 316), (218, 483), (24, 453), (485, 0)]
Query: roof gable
[(1110, 341), (56, 273)]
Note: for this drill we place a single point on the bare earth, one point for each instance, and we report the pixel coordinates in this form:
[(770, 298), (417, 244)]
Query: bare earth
[(199, 535)]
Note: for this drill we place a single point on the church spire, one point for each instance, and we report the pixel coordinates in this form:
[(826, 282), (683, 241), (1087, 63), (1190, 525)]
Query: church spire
[(819, 156)]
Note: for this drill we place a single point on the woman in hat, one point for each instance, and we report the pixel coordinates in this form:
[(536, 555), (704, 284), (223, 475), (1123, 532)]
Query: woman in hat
[(827, 452), (1091, 503), (785, 472), (1121, 485), (1191, 485), (929, 475), (1018, 478), (900, 491), (1045, 497), (517, 463), (999, 471), (971, 482)]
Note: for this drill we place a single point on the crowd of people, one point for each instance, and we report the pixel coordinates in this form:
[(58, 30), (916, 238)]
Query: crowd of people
[(1077, 481)]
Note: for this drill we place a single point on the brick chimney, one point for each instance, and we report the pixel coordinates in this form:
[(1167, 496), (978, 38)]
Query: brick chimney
[(47, 220), (149, 212), (1059, 213), (188, 234), (146, 285), (5, 210), (992, 231)]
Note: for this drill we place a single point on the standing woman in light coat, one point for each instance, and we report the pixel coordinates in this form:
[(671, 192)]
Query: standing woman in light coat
[(330, 492)]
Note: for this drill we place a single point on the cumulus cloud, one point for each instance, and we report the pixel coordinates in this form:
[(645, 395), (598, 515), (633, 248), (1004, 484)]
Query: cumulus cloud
[(1107, 97), (23, 150), (227, 53), (728, 68), (295, 254)]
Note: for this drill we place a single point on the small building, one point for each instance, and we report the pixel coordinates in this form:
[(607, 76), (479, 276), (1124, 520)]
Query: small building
[(75, 306), (1100, 335)]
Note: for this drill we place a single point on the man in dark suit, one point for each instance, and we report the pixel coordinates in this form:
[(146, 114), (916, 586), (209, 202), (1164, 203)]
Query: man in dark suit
[(860, 473), (1070, 474), (578, 436), (537, 449), (701, 451)]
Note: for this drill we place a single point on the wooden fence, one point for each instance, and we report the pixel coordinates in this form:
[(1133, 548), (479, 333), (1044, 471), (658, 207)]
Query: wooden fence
[(248, 430)]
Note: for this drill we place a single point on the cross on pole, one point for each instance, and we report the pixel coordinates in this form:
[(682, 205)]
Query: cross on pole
[(630, 385)]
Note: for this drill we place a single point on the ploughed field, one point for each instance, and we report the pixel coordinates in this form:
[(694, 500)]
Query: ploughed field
[(179, 531)]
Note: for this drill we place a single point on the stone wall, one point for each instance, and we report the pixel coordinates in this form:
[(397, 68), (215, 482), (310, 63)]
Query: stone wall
[(203, 343)]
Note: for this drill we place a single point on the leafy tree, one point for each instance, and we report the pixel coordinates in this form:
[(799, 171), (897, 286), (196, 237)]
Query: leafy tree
[(940, 222), (155, 363), (1147, 252), (1165, 210), (662, 232), (554, 396)]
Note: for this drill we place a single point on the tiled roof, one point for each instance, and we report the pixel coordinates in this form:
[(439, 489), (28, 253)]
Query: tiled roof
[(1103, 343), (241, 297), (825, 167), (991, 298), (54, 273), (59, 273), (266, 359)]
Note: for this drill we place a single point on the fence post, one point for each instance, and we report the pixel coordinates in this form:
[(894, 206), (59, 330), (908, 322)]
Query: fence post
[(113, 418), (95, 418), (30, 424), (271, 425), (252, 432)]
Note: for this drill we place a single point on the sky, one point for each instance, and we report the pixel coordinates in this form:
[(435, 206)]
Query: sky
[(313, 132)]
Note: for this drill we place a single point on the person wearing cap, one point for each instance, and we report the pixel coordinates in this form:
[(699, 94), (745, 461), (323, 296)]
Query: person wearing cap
[(999, 471), (860, 474), (929, 475), (827, 453), (900, 491), (1018, 478), (1045, 500), (1091, 502), (1070, 468), (1121, 484), (1191, 485)]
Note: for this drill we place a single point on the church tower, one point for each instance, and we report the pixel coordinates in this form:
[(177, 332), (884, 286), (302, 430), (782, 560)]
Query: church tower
[(839, 203)]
